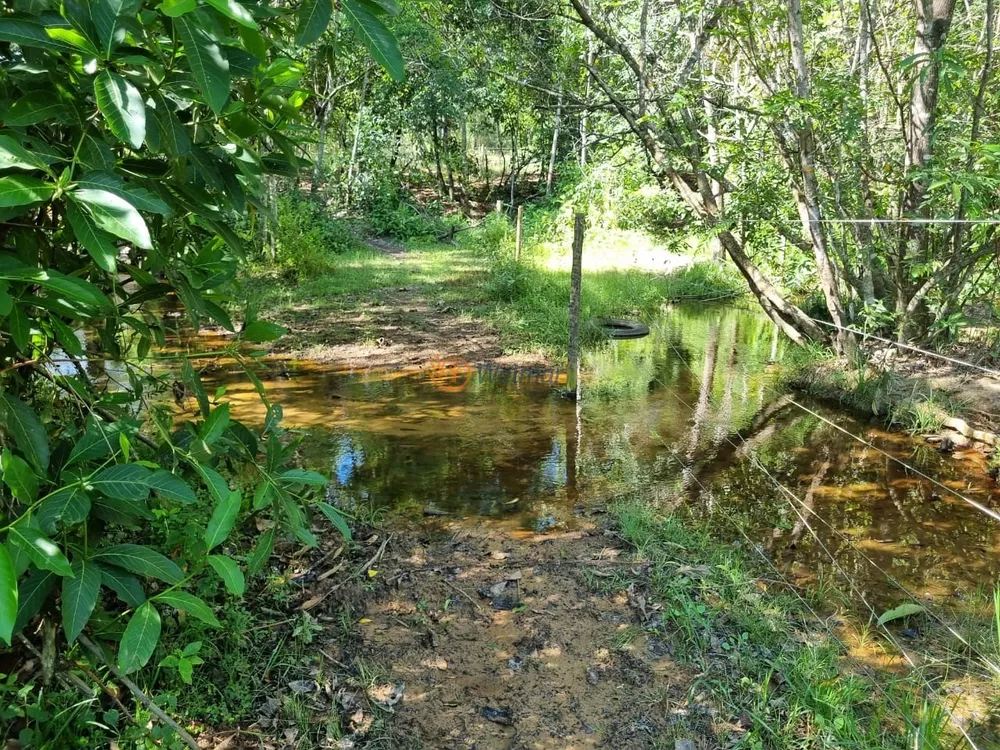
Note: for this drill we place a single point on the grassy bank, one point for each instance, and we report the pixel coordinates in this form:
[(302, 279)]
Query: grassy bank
[(907, 403), (778, 669), (524, 302)]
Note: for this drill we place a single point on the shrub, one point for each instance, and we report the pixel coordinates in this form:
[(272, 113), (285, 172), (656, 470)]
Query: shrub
[(307, 238)]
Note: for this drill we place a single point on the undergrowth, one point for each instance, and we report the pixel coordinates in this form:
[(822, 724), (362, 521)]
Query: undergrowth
[(901, 402)]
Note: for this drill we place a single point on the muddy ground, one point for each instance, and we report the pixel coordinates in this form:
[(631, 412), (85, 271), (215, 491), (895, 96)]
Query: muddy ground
[(397, 327), (504, 639)]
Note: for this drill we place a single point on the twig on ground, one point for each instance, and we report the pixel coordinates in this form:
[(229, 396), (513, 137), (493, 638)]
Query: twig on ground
[(371, 561), (140, 696)]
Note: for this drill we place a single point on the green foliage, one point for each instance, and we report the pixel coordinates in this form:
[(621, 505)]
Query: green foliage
[(307, 239), (133, 138)]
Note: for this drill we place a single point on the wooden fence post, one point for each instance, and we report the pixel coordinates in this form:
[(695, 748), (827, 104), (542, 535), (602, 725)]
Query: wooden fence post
[(517, 235), (499, 206), (573, 370)]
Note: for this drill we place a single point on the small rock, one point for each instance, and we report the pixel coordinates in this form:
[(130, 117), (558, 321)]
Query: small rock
[(432, 511), (387, 695), (593, 676), (684, 745), (497, 715), (301, 687), (544, 524), (499, 555)]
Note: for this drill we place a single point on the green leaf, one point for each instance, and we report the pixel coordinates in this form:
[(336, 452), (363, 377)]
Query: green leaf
[(207, 62), (898, 613), (230, 574), (175, 138), (122, 481), (336, 519), (72, 38), (30, 34), (95, 241), (260, 331), (220, 525), (20, 422), (79, 597), (17, 475), (125, 585), (97, 441), (177, 8), (20, 328), (41, 550), (375, 35), (110, 18), (32, 592), (262, 552), (235, 11), (215, 425), (142, 561), (313, 18), (192, 381), (190, 604), (15, 156), (8, 595), (121, 104), (302, 476), (35, 107), (217, 486), (22, 190), (70, 505), (171, 487), (139, 197), (115, 215), (139, 641)]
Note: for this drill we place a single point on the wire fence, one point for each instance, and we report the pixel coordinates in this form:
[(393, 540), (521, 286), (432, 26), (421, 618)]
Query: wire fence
[(795, 503)]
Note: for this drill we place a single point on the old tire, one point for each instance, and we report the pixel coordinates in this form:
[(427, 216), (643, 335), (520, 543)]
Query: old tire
[(620, 328)]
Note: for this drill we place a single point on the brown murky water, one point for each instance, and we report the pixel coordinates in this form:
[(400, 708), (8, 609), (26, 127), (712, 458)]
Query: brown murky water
[(690, 411)]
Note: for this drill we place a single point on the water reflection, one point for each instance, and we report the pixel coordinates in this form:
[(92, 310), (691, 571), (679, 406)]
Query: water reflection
[(700, 387)]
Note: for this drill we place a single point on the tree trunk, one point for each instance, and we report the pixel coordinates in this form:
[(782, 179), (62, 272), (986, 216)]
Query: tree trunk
[(357, 137), (810, 210), (550, 176), (436, 146), (933, 21), (324, 122)]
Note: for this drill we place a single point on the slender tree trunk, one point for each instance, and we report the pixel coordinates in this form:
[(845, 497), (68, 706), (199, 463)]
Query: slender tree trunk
[(550, 176), (357, 138), (583, 117), (576, 280), (812, 216), (933, 21), (436, 147), (324, 122)]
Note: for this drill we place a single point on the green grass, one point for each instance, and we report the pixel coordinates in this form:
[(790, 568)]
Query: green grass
[(905, 403), (762, 655), (525, 302)]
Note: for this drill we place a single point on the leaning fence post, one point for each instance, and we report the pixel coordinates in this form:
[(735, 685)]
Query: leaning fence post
[(517, 234), (573, 370)]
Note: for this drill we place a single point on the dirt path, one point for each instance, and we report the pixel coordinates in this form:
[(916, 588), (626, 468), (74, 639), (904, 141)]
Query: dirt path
[(399, 325), (500, 639)]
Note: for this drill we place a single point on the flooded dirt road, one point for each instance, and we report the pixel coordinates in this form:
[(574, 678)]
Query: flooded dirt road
[(508, 613), (694, 401)]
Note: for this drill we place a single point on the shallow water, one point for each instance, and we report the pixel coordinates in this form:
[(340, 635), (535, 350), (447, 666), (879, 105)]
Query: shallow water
[(689, 414)]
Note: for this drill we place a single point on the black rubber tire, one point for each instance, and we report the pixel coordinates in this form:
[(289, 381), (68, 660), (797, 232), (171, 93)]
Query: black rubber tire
[(619, 328)]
